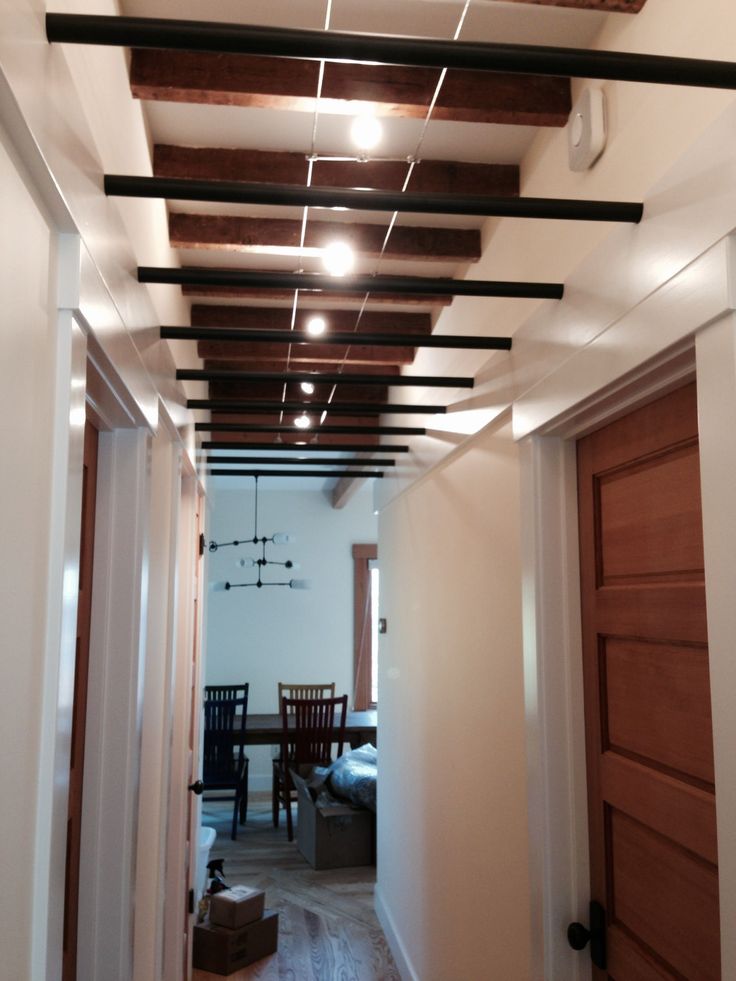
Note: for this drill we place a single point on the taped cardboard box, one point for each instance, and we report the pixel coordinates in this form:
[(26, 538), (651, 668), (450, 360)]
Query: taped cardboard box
[(224, 951), (330, 834), (236, 906)]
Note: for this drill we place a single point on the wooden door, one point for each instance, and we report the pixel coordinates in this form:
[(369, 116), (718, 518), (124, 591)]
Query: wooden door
[(79, 711), (649, 741)]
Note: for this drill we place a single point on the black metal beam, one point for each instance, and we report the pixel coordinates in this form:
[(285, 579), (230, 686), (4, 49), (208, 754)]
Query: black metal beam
[(142, 32), (218, 444), (238, 427), (293, 195), (294, 461), (408, 285), (232, 407), (323, 377), (295, 473), (240, 334)]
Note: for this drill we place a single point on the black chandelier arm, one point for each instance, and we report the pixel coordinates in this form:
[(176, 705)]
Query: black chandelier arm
[(258, 584), (213, 546)]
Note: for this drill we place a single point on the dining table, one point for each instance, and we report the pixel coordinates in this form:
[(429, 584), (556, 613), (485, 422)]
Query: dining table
[(265, 729)]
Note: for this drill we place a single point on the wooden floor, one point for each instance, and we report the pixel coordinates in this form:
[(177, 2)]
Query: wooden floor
[(327, 927)]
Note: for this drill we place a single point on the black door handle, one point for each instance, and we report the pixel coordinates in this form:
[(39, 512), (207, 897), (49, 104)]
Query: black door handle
[(197, 787), (578, 935)]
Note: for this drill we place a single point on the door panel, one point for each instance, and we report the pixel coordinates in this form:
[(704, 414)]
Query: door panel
[(649, 740)]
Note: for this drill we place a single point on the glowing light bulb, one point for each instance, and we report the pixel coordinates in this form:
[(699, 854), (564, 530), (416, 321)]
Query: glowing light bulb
[(316, 326), (303, 421), (366, 131), (307, 388), (338, 258)]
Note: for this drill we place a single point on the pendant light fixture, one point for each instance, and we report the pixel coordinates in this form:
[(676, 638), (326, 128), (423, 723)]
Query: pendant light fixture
[(261, 560)]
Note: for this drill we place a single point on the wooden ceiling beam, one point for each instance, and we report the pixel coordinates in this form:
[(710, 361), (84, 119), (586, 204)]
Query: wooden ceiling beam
[(322, 354), (272, 235), (394, 90), (235, 292), (607, 6), (273, 391), (266, 166), (279, 318)]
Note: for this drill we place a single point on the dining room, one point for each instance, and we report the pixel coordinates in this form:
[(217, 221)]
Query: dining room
[(311, 621)]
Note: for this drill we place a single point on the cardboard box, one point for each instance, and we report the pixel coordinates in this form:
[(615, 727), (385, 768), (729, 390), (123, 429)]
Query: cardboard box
[(223, 951), (332, 836), (237, 906)]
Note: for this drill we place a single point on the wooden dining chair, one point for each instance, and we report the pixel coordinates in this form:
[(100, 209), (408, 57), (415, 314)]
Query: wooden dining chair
[(224, 763), (310, 728), (305, 691)]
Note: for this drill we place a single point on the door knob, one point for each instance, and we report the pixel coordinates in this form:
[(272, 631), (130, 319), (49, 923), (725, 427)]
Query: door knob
[(579, 935), (197, 787)]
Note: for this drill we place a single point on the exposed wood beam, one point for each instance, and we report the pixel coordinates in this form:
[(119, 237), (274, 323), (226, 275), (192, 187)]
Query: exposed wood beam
[(240, 192), (330, 377), (251, 293), (231, 337), (427, 177), (608, 6), (253, 407), (279, 318), (344, 490), (242, 446), (394, 90), (323, 283), (275, 235), (324, 353), (290, 43)]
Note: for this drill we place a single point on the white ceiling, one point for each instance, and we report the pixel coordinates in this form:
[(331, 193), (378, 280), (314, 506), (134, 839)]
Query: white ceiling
[(302, 132)]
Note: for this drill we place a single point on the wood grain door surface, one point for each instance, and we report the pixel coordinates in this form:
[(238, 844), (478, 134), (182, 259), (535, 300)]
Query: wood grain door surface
[(79, 711), (649, 741)]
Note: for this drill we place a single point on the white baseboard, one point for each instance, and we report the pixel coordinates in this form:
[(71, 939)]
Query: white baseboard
[(403, 962)]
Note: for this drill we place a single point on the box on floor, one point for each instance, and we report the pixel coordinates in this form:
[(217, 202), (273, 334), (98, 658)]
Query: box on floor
[(331, 835)]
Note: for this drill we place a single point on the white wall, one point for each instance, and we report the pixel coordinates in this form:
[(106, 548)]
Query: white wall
[(27, 399), (453, 890), (268, 635)]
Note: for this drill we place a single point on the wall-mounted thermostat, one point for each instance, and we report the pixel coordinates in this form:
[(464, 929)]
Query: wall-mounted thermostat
[(586, 131)]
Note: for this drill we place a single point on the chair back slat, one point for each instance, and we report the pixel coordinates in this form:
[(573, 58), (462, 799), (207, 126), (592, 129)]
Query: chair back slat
[(302, 691), (310, 729), (225, 711)]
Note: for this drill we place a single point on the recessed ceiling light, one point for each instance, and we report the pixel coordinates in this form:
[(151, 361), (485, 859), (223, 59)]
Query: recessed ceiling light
[(316, 326), (307, 388), (338, 258), (303, 421), (366, 131)]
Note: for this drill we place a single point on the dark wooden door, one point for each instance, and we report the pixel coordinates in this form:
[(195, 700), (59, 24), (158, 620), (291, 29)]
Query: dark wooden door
[(79, 713), (649, 741)]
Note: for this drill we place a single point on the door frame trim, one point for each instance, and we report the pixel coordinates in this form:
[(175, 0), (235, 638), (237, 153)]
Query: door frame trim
[(553, 666), (552, 644)]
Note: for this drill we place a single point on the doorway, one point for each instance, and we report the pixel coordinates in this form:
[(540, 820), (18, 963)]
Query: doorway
[(649, 741)]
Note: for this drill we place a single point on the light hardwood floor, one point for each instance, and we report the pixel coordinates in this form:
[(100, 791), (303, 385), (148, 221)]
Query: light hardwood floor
[(327, 927)]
